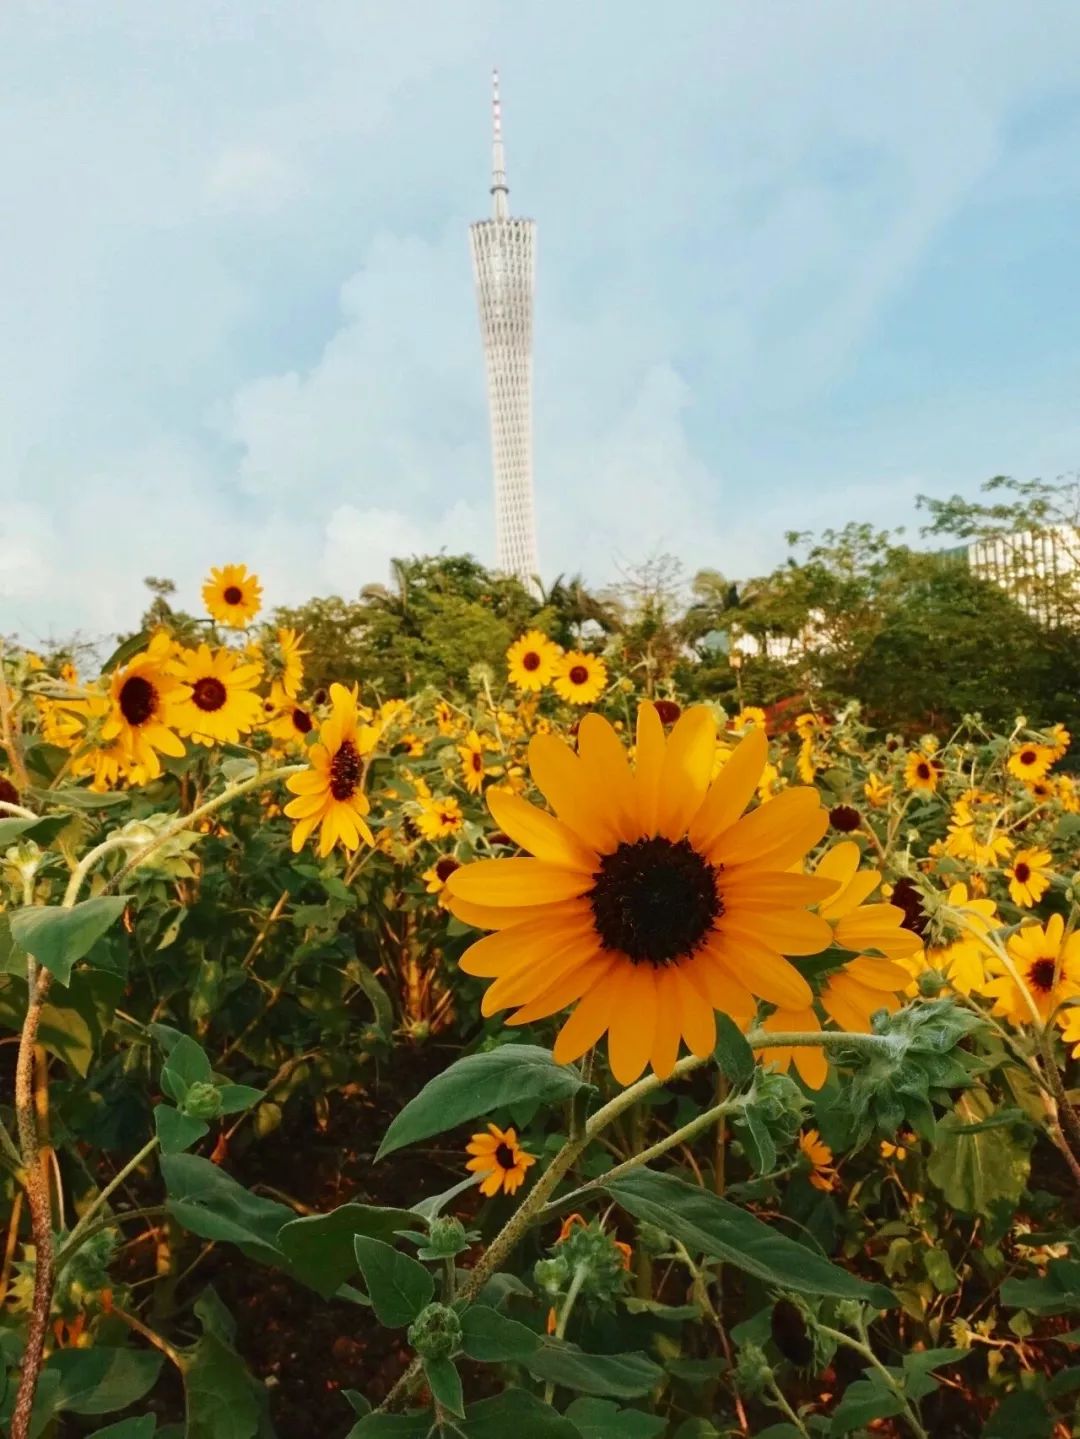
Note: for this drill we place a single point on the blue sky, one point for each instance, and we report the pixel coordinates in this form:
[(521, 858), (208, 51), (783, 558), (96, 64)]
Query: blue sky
[(797, 263)]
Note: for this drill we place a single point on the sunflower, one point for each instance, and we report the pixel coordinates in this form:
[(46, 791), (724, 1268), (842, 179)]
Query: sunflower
[(287, 720), (446, 720), (531, 661), (964, 841), (439, 817), (287, 661), (1029, 878), (330, 793), (820, 1158), (877, 791), (435, 878), (580, 678), (921, 772), (1060, 739), (499, 1157), (232, 596), (964, 961), (866, 983), (651, 901), (472, 762), (221, 704), (747, 716), (1069, 1019), (144, 696), (1048, 964), (1030, 762)]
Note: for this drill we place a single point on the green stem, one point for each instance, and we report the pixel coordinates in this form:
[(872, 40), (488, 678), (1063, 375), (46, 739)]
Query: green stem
[(77, 1235), (782, 1404), (863, 1349), (109, 1221), (580, 1275)]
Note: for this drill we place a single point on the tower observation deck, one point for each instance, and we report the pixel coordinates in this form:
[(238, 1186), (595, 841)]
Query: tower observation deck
[(504, 267)]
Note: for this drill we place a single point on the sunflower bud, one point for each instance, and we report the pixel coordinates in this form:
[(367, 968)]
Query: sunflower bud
[(931, 983), (552, 1275), (446, 1237), (752, 1370), (202, 1101), (850, 1313), (435, 1333)]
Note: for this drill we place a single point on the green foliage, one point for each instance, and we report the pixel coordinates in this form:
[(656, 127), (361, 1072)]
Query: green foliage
[(59, 938), (398, 1286)]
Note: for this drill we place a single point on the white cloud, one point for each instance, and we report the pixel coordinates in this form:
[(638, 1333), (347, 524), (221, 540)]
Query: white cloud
[(250, 178)]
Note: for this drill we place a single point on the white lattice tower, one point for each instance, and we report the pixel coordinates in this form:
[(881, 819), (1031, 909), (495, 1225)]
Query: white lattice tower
[(503, 252)]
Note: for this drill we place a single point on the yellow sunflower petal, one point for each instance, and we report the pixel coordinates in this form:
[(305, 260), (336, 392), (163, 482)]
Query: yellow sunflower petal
[(648, 766), (790, 931), (769, 829), (489, 916), (633, 1022), (568, 988), (603, 755), (530, 942), (525, 978), (668, 1034), (585, 1026), (696, 1018), (516, 881), (731, 791), (541, 834), (763, 971), (570, 789), (687, 769)]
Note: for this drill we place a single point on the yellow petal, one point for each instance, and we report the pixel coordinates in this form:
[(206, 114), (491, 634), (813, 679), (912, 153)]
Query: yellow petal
[(568, 988), (516, 881), (763, 971), (731, 791), (688, 763), (648, 766), (532, 941), (878, 973), (526, 978), (604, 757), (541, 834), (791, 931), (633, 1022), (753, 888), (585, 1026), (665, 1046), (570, 789), (770, 829), (488, 916), (696, 1018)]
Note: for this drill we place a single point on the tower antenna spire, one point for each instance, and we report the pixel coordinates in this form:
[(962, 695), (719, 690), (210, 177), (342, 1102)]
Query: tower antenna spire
[(500, 190)]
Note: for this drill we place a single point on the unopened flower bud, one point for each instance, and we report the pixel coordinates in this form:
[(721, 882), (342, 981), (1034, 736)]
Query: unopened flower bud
[(202, 1101), (435, 1333), (752, 1370)]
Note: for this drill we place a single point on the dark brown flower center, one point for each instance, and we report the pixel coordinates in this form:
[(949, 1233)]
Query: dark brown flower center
[(302, 721), (1022, 871), (578, 675), (138, 700), (504, 1157), (923, 770), (655, 900), (8, 793), (345, 770), (906, 896), (209, 693), (477, 760), (1041, 974), (845, 818), (668, 711), (445, 867), (530, 660), (232, 594)]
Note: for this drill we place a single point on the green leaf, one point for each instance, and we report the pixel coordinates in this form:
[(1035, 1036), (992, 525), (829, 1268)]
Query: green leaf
[(940, 1271), (733, 1054), (479, 1084), (223, 1400), (177, 1131), (434, 1204), (1058, 1292), (206, 1201), (126, 650), (445, 1384), (707, 1224), (493, 1339), (1020, 1415), (399, 1287), (238, 1097), (59, 938), (320, 1246), (863, 1400), (144, 1427), (513, 1412), (978, 1169), (41, 829), (919, 1365), (186, 1065), (615, 1376), (600, 1419), (101, 1379)]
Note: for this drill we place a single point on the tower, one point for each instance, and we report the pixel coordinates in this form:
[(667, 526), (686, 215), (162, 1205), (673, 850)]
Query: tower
[(503, 254)]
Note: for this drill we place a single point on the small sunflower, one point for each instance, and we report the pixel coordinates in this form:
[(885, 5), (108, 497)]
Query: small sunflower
[(439, 817), (1048, 964), (974, 836), (652, 900), (580, 678), (232, 596), (877, 791), (330, 794), (820, 1158), (922, 772), (472, 762), (1030, 762), (1069, 1019), (287, 661), (499, 1157), (285, 719), (531, 661), (1029, 877), (446, 718), (144, 696), (1060, 739), (435, 878), (221, 704)]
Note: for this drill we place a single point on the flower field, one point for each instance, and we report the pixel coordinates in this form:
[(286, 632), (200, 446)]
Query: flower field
[(545, 1054)]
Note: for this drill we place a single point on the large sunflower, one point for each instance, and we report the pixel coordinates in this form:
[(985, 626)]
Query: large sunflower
[(650, 901), (232, 596), (222, 704), (144, 696), (580, 678), (531, 661), (330, 795)]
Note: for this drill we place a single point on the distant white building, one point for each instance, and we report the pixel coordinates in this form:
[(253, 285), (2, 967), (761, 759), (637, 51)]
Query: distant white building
[(1030, 565), (504, 264)]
